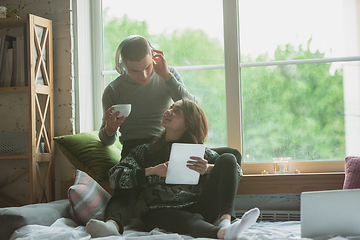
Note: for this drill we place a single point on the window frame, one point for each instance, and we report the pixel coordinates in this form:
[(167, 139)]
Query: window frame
[(88, 64), (232, 67)]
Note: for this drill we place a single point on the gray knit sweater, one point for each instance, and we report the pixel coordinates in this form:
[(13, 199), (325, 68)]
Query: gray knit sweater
[(148, 104)]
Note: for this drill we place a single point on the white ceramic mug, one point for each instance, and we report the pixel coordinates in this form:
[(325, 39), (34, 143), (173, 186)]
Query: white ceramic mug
[(124, 110)]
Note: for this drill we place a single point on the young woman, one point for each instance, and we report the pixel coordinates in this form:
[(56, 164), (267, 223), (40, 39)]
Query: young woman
[(184, 209)]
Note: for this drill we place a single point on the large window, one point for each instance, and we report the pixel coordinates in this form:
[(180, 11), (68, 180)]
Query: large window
[(298, 78), (294, 100), (192, 41)]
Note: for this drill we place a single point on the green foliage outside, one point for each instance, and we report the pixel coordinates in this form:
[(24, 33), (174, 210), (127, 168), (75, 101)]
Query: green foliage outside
[(293, 111), (290, 111)]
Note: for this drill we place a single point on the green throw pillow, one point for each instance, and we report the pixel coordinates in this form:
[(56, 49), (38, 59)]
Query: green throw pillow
[(86, 153)]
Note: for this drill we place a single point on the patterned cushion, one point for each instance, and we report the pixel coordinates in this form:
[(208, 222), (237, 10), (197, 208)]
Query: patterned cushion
[(352, 172), (87, 199)]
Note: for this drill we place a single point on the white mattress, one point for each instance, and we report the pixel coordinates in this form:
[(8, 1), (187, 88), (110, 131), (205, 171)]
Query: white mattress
[(67, 229)]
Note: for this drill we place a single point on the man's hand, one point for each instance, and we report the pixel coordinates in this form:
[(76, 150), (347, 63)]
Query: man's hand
[(112, 122), (160, 65)]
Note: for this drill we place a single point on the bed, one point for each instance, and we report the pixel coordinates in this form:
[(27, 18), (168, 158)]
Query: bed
[(65, 228), (60, 220)]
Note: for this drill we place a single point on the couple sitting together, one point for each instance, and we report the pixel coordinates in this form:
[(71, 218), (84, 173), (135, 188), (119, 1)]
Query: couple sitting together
[(184, 209)]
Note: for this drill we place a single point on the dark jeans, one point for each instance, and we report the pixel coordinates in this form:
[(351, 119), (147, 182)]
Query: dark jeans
[(121, 206), (235, 152), (216, 199)]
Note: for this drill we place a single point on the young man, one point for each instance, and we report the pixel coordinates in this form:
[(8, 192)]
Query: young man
[(148, 84)]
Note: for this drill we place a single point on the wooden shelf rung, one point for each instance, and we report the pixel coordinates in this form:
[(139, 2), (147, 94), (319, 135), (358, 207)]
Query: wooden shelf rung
[(17, 90), (11, 157), (43, 157)]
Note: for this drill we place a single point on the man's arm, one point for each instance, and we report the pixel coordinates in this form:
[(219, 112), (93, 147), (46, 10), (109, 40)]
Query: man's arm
[(105, 139), (107, 101), (177, 87), (171, 77)]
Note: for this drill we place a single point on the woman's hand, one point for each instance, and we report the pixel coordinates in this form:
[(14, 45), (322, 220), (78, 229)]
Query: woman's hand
[(112, 122), (159, 170), (160, 65), (199, 165)]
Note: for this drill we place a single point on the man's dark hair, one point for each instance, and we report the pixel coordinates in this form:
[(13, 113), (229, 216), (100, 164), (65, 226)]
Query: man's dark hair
[(136, 49)]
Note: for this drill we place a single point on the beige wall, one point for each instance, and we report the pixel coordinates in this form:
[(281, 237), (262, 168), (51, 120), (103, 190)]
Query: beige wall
[(59, 11)]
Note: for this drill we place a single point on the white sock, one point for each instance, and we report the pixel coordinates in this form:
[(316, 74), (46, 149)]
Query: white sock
[(224, 223), (235, 230), (97, 228)]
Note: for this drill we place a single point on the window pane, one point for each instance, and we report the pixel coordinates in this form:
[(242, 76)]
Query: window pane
[(173, 27), (299, 111), (208, 86), (318, 25), (185, 38)]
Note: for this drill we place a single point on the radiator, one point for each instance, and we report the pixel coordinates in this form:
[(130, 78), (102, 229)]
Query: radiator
[(274, 215)]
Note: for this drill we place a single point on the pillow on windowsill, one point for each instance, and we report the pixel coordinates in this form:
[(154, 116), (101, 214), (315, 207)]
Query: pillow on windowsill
[(86, 152), (352, 172), (87, 199)]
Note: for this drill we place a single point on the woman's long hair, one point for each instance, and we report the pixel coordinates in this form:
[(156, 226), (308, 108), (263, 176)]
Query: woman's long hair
[(197, 128)]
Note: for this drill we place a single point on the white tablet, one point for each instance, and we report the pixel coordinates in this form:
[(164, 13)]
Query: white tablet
[(178, 172)]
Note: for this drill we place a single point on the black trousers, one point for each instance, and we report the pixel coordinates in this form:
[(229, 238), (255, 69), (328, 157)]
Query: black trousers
[(216, 199), (121, 206), (233, 151)]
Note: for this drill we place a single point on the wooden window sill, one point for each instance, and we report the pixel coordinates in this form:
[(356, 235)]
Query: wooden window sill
[(290, 183)]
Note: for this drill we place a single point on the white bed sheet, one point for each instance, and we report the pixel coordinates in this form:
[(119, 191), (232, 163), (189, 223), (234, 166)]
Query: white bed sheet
[(65, 228)]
